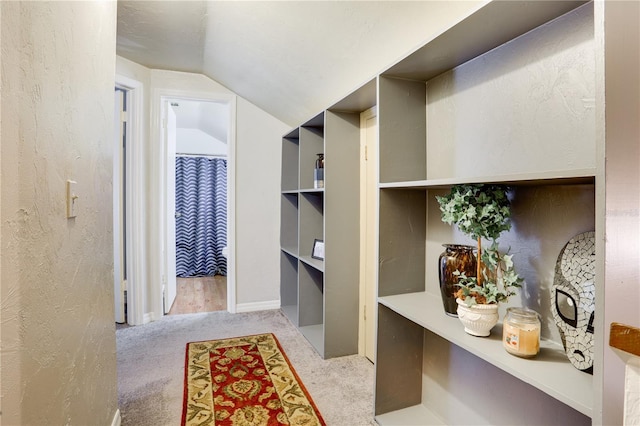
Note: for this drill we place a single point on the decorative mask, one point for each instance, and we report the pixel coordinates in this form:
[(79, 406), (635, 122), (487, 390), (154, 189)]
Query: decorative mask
[(572, 299)]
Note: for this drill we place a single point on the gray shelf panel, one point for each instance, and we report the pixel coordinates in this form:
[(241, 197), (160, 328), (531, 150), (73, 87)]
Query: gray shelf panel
[(289, 286), (402, 130), (310, 295), (291, 312), (290, 158), (311, 221), (291, 251), (316, 121), (490, 26), (359, 100), (315, 335), (402, 242), (314, 263), (551, 372), (311, 144), (342, 233), (560, 177), (293, 134), (398, 364), (289, 222)]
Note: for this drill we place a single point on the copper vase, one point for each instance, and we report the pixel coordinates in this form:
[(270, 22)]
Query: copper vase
[(456, 257)]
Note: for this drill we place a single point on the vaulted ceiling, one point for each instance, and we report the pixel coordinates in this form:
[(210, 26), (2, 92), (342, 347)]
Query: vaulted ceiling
[(290, 58)]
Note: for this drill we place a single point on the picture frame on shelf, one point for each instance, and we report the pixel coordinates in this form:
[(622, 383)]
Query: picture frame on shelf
[(317, 252)]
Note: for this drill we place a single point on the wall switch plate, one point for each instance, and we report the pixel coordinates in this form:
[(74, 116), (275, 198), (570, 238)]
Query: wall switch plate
[(72, 199)]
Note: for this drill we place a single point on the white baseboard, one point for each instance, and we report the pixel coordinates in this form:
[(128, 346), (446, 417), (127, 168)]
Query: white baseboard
[(148, 317), (257, 306), (116, 418)]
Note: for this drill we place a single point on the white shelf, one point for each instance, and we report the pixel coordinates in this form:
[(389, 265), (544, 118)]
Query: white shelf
[(551, 372), (550, 177), (415, 415)]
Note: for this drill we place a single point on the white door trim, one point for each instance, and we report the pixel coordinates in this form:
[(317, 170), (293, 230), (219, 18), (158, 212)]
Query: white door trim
[(135, 198), (169, 286), (158, 253), (119, 285)]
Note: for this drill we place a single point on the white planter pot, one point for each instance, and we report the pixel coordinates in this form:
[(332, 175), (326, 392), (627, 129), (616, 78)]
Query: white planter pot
[(478, 320)]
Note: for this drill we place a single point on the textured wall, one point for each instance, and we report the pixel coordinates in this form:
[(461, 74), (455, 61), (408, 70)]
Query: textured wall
[(58, 362), (259, 137)]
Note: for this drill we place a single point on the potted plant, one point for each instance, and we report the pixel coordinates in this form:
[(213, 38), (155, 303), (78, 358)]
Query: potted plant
[(482, 211)]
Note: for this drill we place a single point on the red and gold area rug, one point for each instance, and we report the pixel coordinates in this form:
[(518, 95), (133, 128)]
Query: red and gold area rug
[(244, 381)]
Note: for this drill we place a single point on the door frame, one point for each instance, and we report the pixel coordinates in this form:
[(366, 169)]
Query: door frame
[(169, 136), (159, 241), (368, 233), (135, 214)]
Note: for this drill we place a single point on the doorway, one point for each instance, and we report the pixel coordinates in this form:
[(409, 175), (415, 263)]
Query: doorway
[(198, 138), (128, 203)]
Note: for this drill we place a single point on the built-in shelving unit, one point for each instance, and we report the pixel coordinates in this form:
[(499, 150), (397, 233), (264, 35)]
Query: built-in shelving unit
[(504, 96), (531, 94), (321, 297)]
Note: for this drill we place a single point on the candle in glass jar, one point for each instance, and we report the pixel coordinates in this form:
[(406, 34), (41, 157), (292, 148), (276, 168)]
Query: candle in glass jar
[(521, 332)]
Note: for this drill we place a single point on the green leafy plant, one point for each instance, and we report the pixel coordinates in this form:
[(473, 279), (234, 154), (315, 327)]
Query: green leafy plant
[(482, 211)]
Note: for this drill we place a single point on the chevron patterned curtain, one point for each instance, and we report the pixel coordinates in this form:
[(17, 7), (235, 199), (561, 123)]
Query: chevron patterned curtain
[(201, 219)]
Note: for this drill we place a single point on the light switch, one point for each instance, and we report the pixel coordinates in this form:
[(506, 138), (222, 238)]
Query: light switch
[(72, 199)]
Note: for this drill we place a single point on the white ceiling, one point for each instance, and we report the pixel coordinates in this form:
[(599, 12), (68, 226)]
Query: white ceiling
[(290, 58)]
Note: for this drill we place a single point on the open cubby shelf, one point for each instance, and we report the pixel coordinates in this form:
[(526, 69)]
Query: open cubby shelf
[(550, 371)]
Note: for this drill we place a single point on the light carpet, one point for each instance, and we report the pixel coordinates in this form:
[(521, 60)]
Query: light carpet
[(151, 367)]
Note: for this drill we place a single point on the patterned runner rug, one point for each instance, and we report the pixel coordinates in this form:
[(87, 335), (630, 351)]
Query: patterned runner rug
[(244, 381)]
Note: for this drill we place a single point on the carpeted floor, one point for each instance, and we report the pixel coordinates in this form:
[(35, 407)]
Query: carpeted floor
[(151, 367)]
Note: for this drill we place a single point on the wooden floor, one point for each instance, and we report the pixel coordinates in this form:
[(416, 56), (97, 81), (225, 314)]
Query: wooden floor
[(200, 294)]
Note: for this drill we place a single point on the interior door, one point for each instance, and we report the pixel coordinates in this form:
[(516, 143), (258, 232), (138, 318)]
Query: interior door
[(119, 267), (170, 277)]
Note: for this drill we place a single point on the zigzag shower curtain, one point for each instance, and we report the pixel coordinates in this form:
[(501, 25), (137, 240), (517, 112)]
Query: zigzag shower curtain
[(201, 219)]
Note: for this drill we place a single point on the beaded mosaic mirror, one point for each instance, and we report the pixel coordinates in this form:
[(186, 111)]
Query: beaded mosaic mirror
[(573, 297)]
